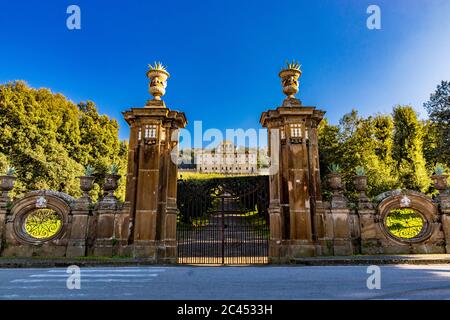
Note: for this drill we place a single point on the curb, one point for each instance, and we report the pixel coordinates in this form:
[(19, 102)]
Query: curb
[(51, 263), (317, 261), (371, 260)]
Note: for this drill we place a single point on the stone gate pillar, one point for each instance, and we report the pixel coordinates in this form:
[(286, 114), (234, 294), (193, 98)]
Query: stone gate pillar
[(6, 185), (152, 173), (295, 195)]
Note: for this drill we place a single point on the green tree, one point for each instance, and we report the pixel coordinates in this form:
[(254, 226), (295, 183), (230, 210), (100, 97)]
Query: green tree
[(430, 144), (438, 108), (99, 145), (372, 149), (407, 150), (49, 140), (358, 141), (367, 143), (329, 145)]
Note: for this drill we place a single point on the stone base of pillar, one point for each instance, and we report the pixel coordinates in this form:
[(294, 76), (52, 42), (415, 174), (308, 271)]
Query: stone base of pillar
[(279, 260), (283, 252), (145, 249), (76, 248), (103, 247), (278, 252), (338, 200), (371, 246), (302, 248), (324, 247), (342, 247), (2, 228), (167, 252)]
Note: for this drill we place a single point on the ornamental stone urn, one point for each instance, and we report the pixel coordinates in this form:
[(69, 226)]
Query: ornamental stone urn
[(86, 185), (111, 184), (440, 182), (158, 76), (360, 182), (289, 79), (338, 199), (335, 182), (6, 184)]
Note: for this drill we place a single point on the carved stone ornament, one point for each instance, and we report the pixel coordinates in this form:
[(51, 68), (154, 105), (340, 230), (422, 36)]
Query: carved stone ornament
[(41, 202), (158, 76), (405, 202)]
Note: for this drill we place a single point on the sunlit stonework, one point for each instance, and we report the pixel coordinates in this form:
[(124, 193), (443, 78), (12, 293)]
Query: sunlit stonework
[(41, 202), (158, 76), (405, 202), (289, 79)]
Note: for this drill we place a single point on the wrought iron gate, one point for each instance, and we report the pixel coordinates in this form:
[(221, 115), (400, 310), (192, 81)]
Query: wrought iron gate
[(223, 225)]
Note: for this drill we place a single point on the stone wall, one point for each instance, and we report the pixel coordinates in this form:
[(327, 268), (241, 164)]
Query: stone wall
[(80, 228), (376, 238), (103, 229)]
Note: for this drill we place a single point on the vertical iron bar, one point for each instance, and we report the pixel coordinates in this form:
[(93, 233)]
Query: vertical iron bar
[(223, 230)]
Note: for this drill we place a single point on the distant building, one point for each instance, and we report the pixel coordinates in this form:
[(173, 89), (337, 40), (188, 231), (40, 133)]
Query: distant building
[(226, 158)]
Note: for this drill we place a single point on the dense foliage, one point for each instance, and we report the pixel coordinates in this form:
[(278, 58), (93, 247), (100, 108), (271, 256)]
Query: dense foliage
[(438, 108), (397, 150), (49, 140)]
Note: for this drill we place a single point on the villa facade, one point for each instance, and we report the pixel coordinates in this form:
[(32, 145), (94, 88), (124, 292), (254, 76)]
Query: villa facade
[(226, 158)]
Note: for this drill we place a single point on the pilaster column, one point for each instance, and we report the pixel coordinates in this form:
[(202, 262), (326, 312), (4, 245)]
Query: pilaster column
[(6, 185), (444, 210), (295, 187), (152, 170), (443, 203), (77, 244), (3, 213), (106, 210), (169, 214), (341, 217)]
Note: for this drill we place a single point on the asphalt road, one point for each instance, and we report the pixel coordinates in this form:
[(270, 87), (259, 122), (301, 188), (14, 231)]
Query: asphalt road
[(227, 283)]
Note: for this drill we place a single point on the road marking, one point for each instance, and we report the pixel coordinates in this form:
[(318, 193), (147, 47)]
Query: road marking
[(96, 275), (93, 275), (83, 281), (41, 296), (9, 296), (109, 270)]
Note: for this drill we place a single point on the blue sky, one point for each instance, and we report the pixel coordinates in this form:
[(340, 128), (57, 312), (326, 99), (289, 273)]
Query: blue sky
[(224, 56)]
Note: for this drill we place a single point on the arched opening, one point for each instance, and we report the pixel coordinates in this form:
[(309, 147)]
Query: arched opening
[(406, 224), (42, 224)]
